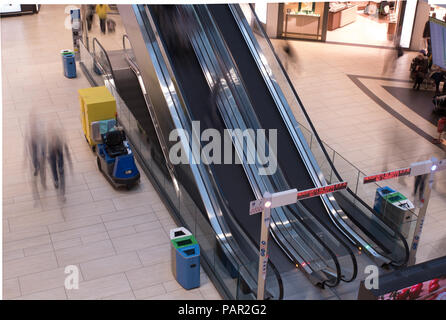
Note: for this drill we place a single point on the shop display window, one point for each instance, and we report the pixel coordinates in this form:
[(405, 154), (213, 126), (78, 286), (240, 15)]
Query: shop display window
[(303, 20)]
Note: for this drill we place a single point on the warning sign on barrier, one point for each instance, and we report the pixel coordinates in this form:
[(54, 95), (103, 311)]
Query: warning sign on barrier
[(387, 175), (322, 190)]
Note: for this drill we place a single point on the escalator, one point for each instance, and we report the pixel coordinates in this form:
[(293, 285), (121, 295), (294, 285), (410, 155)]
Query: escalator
[(304, 233), (302, 237), (355, 220)]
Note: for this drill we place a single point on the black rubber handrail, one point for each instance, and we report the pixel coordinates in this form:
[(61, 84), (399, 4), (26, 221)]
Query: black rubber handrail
[(265, 36), (95, 60)]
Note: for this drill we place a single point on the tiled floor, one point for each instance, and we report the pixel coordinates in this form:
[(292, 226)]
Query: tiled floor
[(118, 239), (358, 32)]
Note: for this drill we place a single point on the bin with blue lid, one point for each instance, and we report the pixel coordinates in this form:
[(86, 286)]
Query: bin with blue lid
[(379, 198), (185, 258), (69, 65)]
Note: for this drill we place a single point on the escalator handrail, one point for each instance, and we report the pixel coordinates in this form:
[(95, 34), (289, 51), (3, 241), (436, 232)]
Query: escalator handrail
[(155, 121), (125, 36), (96, 60), (396, 232)]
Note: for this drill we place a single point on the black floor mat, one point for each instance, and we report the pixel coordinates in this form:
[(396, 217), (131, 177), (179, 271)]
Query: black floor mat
[(419, 101)]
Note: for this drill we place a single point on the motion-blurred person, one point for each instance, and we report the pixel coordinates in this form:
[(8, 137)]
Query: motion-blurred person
[(392, 57), (438, 76), (102, 10), (35, 144), (90, 15), (57, 149), (290, 53), (418, 192), (175, 26), (421, 70), (213, 103), (427, 33)]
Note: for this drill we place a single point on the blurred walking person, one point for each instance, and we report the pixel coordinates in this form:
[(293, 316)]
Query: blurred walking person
[(421, 71), (291, 55), (213, 117), (57, 151), (418, 192), (102, 10), (392, 57), (90, 15), (35, 145)]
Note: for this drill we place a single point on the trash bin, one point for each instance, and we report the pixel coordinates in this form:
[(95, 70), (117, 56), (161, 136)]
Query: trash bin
[(394, 208), (399, 211), (69, 65), (379, 196), (185, 259)]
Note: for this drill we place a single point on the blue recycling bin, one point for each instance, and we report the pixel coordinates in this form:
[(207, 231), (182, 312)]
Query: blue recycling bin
[(186, 261), (69, 65), (381, 193)]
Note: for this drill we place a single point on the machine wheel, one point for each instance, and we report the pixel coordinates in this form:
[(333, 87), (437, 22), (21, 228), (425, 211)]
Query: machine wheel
[(93, 148), (99, 163), (129, 186)]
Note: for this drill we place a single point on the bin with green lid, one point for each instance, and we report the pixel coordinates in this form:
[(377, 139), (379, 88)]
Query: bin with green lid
[(185, 262), (395, 208)]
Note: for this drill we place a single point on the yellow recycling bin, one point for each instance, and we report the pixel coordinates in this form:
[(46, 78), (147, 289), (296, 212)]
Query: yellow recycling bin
[(97, 103)]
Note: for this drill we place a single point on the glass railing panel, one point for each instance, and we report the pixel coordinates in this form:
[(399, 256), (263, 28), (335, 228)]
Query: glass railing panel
[(273, 64), (346, 171), (243, 291), (88, 62), (367, 192), (188, 211), (330, 176)]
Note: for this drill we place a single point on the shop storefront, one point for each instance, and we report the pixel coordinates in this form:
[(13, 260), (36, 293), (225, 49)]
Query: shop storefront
[(357, 22), (303, 20), (376, 23), (363, 22)]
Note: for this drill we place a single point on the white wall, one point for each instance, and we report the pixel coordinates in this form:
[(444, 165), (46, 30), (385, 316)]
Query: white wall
[(421, 16), (272, 19)]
